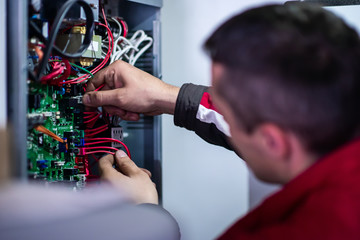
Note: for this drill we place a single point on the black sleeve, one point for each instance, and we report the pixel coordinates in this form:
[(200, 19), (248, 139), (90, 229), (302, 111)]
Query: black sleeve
[(187, 105)]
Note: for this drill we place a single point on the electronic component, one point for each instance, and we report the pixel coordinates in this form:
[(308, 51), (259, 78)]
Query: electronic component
[(116, 133), (34, 101), (35, 119), (72, 42), (65, 140)]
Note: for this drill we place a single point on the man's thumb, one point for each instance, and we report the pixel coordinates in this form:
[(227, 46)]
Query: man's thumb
[(125, 164), (121, 154)]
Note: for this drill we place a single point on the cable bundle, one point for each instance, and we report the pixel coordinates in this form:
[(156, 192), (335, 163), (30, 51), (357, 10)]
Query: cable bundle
[(126, 49), (68, 81)]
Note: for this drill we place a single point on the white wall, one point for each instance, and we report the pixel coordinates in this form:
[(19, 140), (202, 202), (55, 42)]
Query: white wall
[(205, 187), (349, 13), (3, 111)]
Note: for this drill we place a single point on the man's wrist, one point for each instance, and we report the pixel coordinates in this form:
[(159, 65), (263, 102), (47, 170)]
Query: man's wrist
[(167, 99)]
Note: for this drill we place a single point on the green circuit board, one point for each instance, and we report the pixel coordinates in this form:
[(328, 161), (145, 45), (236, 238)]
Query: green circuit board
[(60, 110)]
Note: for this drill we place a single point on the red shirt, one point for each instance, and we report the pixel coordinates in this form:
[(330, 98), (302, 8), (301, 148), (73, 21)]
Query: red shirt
[(321, 203)]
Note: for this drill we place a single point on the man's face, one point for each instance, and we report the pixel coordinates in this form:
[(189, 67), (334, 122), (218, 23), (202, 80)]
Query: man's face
[(252, 147)]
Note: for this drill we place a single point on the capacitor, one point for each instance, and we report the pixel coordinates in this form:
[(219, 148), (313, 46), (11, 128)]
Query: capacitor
[(40, 139)]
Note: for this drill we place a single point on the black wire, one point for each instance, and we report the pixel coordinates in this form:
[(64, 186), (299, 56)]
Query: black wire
[(55, 29), (34, 30)]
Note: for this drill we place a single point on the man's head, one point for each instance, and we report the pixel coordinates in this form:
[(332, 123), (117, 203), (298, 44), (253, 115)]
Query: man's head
[(291, 72)]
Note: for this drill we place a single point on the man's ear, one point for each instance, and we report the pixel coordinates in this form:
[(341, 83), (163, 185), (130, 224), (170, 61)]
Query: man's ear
[(275, 140)]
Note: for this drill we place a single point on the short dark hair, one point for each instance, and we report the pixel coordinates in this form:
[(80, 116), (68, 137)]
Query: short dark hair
[(295, 65)]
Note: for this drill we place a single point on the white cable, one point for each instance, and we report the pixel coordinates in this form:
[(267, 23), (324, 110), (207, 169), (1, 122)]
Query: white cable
[(119, 26), (127, 49), (146, 47)]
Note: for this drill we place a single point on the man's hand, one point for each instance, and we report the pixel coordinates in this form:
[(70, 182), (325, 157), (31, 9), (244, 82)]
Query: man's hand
[(134, 181), (128, 91)]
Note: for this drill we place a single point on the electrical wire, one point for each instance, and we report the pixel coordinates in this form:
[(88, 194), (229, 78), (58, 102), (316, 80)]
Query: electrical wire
[(100, 87), (95, 129), (95, 133), (102, 64), (95, 118), (125, 27), (81, 68), (55, 29), (90, 116), (102, 147), (46, 131), (110, 140), (76, 66), (59, 67), (60, 74), (100, 151), (129, 49)]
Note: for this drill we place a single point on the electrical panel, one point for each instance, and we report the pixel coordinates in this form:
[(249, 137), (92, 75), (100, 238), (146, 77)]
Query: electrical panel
[(68, 42)]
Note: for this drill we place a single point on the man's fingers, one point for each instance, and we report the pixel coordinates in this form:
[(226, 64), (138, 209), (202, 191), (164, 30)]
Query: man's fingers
[(106, 165), (147, 172), (108, 76), (131, 116), (98, 80), (125, 164), (100, 98), (115, 111), (123, 114)]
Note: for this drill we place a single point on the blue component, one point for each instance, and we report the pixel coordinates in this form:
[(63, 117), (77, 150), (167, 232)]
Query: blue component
[(62, 91), (41, 164), (62, 147), (81, 143)]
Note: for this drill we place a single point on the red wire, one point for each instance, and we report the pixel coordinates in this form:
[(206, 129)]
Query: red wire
[(92, 119), (102, 64), (124, 27), (67, 72), (103, 13), (110, 47), (95, 143), (111, 140), (95, 129), (91, 115), (57, 70), (112, 153), (41, 45), (100, 87), (102, 147), (55, 73), (96, 159), (86, 163), (95, 133), (90, 112)]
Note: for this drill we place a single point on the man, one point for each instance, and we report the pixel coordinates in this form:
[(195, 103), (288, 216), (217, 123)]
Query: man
[(286, 80)]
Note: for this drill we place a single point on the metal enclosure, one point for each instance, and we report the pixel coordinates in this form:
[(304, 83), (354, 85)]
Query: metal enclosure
[(16, 39), (142, 137)]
